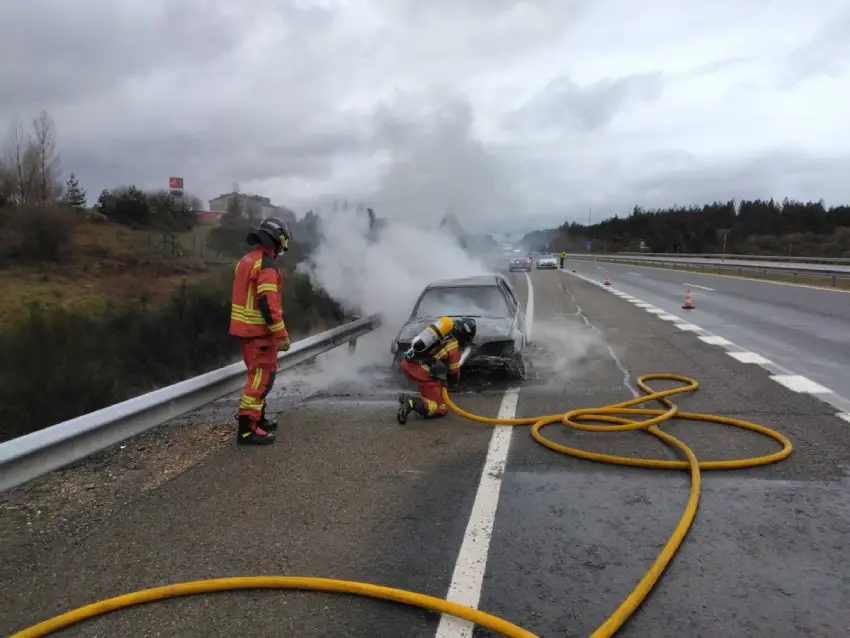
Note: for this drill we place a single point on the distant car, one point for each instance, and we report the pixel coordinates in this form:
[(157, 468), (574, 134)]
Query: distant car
[(500, 340), (547, 261), (520, 263)]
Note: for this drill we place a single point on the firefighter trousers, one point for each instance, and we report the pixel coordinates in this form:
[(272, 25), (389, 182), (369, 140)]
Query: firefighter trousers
[(260, 356), (430, 390)]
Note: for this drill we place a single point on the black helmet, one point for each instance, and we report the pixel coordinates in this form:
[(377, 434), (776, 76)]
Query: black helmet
[(465, 329), (271, 233)]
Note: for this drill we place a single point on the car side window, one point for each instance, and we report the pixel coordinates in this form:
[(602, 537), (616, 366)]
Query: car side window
[(510, 298)]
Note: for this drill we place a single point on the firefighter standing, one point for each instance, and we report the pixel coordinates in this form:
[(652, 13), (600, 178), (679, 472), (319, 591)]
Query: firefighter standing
[(256, 317), (563, 255), (433, 360)]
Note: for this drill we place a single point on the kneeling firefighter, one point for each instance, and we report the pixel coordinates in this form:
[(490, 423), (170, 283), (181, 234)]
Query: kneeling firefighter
[(432, 361), (256, 317)]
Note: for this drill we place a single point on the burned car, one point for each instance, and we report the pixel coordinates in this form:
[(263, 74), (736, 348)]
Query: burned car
[(500, 342)]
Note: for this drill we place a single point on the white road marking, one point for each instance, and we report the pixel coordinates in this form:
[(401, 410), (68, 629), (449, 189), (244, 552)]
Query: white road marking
[(793, 382), (468, 577), (636, 274), (641, 304), (799, 383), (529, 308), (700, 287), (749, 357), (692, 327)]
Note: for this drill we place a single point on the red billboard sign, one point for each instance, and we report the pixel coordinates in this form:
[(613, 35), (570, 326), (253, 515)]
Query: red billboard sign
[(175, 183)]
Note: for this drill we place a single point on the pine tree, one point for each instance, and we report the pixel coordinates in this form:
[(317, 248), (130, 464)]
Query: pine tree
[(74, 195)]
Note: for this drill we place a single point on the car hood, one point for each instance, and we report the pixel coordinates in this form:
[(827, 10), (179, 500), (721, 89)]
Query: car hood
[(487, 328)]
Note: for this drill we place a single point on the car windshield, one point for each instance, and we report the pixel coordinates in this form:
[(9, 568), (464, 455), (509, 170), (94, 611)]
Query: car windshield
[(473, 301)]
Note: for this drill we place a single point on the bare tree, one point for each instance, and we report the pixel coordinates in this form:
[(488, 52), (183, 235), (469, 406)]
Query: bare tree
[(22, 162), (47, 183)]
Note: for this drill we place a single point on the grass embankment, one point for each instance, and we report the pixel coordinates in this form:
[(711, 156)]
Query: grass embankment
[(747, 272), (106, 265), (93, 313)]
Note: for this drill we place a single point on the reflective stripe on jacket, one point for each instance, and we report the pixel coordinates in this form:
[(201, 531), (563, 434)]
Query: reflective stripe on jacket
[(255, 309)]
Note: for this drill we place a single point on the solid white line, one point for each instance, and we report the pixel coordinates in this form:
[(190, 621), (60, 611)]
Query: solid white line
[(799, 383), (748, 357), (714, 340), (468, 577), (700, 287), (844, 416), (529, 309)]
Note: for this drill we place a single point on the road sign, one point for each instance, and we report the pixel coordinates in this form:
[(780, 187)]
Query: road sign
[(175, 185)]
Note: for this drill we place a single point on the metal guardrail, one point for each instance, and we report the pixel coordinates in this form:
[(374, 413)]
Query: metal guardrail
[(32, 455), (739, 267), (734, 257)]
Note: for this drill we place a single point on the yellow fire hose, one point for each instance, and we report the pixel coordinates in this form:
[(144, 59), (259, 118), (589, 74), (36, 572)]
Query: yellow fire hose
[(573, 419)]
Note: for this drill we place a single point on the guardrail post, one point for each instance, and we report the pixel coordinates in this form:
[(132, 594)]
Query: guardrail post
[(833, 281), (352, 346)]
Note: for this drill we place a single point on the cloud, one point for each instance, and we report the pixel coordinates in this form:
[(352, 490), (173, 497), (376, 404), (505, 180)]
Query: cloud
[(513, 114)]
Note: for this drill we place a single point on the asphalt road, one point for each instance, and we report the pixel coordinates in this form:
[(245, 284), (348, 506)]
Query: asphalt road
[(803, 329), (348, 493)]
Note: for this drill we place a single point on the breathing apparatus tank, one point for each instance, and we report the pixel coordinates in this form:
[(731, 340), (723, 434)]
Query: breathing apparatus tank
[(429, 336)]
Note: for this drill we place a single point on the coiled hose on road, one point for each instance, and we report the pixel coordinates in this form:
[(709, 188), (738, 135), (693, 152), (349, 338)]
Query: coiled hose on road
[(580, 419)]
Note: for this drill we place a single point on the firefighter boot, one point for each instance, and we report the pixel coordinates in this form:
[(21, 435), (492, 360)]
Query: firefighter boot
[(248, 435), (410, 404), (403, 408), (266, 424)]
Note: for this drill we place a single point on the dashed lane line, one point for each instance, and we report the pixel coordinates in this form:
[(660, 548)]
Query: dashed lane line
[(779, 374)]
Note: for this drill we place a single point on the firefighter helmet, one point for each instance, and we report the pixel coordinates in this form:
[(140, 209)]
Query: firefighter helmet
[(271, 233)]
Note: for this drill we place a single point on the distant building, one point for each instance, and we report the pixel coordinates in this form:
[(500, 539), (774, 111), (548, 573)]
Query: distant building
[(254, 207)]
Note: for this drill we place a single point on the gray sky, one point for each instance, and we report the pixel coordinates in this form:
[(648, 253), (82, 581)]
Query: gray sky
[(515, 114)]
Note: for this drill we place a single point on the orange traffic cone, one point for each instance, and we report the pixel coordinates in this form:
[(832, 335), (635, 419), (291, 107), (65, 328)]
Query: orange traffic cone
[(689, 302), (606, 282)]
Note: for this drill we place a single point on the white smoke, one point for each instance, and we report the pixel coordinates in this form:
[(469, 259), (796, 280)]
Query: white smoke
[(387, 275)]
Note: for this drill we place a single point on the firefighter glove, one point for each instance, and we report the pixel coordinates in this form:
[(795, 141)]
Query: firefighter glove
[(284, 344)]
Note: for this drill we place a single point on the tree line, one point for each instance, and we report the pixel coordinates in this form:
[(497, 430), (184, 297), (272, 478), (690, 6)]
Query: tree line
[(757, 227)]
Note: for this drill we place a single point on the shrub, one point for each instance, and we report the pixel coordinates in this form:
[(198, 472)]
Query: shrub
[(35, 234), (57, 365)]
